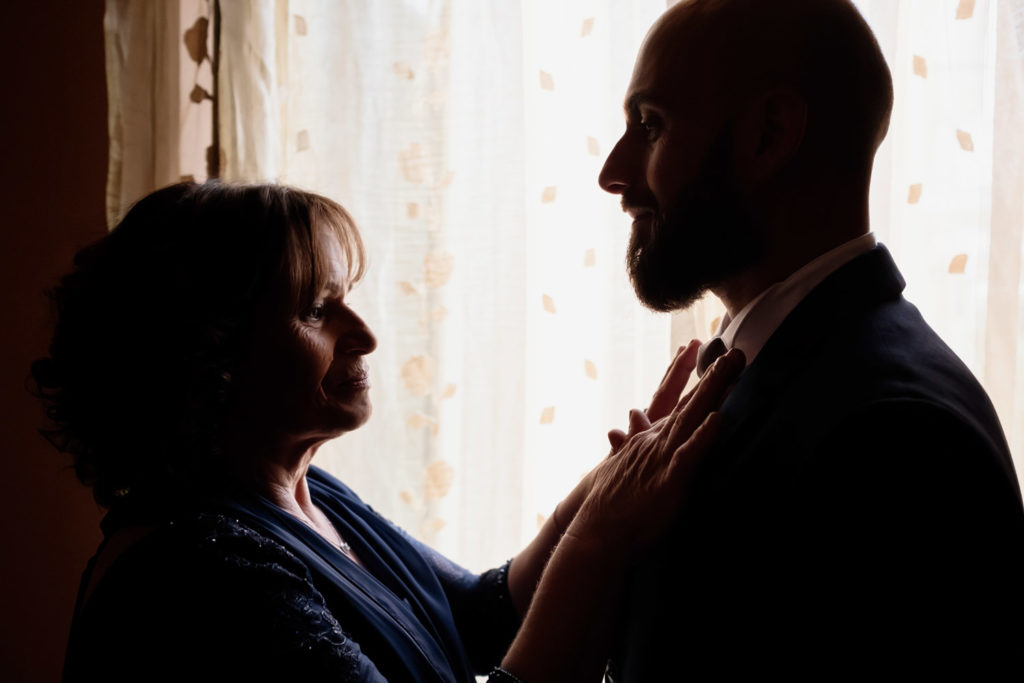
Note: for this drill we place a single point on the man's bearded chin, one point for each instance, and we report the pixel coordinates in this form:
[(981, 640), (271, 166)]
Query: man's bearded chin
[(706, 236)]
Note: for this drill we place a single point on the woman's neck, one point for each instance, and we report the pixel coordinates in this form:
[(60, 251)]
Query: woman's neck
[(276, 470), (285, 485)]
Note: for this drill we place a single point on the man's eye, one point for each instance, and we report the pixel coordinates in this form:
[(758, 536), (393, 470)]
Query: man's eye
[(650, 127), (315, 312)]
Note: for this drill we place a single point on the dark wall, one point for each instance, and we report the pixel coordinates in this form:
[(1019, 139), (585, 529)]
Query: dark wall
[(53, 147)]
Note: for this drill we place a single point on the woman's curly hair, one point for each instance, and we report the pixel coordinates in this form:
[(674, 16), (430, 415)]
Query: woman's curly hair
[(154, 323)]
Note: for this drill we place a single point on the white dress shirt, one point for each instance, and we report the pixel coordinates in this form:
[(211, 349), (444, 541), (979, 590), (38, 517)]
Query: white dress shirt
[(757, 322)]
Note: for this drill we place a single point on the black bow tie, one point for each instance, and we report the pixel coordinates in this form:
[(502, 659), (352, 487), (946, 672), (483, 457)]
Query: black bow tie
[(708, 353)]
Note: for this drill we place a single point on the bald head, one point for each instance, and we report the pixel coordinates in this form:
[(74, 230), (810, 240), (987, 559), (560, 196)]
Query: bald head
[(751, 128), (731, 50)]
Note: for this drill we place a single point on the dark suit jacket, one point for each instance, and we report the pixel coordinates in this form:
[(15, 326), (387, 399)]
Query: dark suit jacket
[(860, 511)]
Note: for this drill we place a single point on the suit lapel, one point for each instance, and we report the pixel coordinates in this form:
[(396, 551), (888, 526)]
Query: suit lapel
[(855, 288)]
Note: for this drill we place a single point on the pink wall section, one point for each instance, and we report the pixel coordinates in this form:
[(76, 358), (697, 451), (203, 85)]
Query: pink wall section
[(53, 153)]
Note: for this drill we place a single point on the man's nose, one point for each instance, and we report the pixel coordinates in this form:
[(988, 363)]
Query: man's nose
[(613, 177)]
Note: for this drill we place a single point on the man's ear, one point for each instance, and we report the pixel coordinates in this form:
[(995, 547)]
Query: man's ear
[(769, 133)]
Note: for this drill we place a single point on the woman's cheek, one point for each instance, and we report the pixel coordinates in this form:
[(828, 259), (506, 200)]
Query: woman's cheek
[(317, 353)]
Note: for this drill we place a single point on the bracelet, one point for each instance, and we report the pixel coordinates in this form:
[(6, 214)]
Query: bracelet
[(499, 675)]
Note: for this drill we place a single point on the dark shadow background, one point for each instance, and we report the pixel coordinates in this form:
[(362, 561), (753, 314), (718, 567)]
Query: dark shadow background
[(53, 146)]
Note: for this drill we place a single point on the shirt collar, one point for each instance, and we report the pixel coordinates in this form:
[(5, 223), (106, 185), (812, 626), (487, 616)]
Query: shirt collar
[(758, 320)]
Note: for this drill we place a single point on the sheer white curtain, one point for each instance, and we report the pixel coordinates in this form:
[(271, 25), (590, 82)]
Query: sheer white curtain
[(466, 138), (948, 189)]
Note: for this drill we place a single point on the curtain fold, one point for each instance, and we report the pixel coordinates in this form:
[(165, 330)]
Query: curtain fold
[(158, 86), (1004, 357)]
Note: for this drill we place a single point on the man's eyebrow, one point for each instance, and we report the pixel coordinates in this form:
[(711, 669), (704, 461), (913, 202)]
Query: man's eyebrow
[(632, 105)]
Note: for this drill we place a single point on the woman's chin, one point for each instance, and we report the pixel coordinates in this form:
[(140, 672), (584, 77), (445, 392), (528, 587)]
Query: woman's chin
[(354, 415)]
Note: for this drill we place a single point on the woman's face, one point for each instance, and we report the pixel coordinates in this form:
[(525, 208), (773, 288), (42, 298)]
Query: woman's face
[(309, 376)]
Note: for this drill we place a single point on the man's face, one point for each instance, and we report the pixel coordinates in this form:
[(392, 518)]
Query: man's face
[(692, 225)]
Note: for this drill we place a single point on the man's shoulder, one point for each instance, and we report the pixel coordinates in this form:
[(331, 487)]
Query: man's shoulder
[(857, 378), (881, 378), (855, 341)]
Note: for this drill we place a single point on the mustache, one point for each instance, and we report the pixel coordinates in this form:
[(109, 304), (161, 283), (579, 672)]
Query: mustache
[(639, 201)]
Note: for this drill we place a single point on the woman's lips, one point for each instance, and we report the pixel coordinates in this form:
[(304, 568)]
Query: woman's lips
[(355, 381)]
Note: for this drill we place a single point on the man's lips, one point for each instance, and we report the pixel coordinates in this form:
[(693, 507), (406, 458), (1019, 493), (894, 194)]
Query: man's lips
[(638, 213), (641, 218)]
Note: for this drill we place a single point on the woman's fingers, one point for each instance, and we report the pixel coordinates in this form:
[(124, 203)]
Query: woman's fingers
[(638, 422), (678, 353), (707, 397), (691, 450), (616, 438), (672, 384), (639, 491), (666, 396)]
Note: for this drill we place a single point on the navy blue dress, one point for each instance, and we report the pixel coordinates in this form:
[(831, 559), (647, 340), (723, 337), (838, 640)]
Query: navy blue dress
[(238, 589)]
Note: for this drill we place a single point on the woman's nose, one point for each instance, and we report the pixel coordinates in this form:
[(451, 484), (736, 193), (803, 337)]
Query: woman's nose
[(356, 336)]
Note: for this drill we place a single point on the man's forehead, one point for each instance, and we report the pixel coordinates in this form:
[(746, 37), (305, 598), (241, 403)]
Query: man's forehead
[(665, 63), (661, 81)]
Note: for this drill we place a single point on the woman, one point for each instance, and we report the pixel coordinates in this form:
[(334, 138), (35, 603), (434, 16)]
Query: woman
[(203, 352)]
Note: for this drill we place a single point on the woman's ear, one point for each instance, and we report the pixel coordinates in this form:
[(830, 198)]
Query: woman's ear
[(769, 133)]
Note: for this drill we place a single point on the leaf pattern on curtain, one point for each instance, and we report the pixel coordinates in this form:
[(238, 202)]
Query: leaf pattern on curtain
[(159, 92)]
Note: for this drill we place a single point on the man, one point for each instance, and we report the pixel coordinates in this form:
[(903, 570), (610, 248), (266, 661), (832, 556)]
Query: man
[(860, 508)]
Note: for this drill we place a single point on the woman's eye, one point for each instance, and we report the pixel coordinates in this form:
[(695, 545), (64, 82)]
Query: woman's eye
[(315, 312)]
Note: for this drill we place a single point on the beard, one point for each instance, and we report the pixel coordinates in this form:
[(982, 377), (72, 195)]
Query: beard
[(707, 235)]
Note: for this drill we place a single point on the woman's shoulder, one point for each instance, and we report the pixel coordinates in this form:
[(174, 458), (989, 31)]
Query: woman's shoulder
[(188, 559), (200, 539), (211, 585), (325, 482)]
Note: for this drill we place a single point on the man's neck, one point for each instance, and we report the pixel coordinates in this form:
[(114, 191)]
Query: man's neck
[(737, 292), (798, 231), (801, 221)]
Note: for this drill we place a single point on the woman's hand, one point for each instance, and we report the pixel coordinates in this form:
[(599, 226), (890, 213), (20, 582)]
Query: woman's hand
[(635, 494), (525, 570), (665, 396)]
